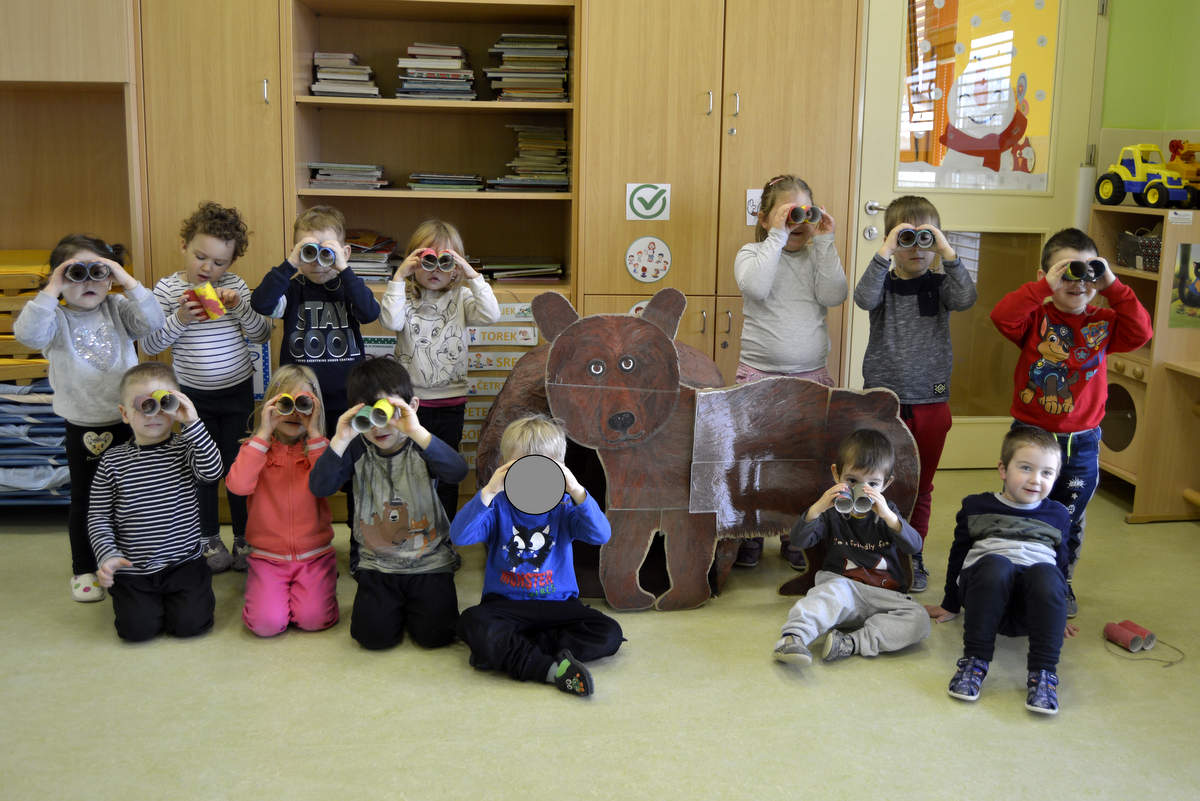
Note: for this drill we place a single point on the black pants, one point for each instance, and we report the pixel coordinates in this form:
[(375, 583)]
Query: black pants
[(1000, 597), (226, 415), (177, 600), (85, 445), (385, 604), (522, 638), (445, 423)]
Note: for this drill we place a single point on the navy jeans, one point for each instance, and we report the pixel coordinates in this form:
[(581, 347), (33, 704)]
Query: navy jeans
[(1000, 597)]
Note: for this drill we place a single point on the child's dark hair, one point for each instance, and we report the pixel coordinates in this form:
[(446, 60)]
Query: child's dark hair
[(770, 196), (146, 371), (866, 449), (71, 244), (1071, 238), (218, 222), (911, 209), (1022, 436), (376, 376)]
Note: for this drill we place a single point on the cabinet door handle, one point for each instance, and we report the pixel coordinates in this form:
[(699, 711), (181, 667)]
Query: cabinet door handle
[(703, 320), (710, 99), (266, 98), (728, 321), (737, 104)]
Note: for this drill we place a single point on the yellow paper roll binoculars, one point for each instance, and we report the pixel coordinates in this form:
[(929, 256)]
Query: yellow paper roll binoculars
[(156, 401), (855, 500), (922, 238), (311, 251), (804, 214), (303, 403), (376, 416)]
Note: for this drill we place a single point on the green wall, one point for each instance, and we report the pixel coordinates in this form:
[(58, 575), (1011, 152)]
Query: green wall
[(1152, 78)]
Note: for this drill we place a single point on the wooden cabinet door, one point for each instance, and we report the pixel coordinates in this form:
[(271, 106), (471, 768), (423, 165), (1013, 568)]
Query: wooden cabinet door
[(79, 41), (728, 336), (212, 128), (649, 66), (696, 326)]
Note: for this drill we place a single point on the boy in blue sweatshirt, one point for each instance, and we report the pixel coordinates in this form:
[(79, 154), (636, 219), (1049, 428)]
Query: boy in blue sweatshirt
[(530, 622)]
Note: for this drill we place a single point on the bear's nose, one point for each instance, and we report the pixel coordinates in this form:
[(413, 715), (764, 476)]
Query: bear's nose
[(621, 420)]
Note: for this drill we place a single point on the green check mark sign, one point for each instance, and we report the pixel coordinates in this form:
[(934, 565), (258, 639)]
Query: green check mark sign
[(648, 201)]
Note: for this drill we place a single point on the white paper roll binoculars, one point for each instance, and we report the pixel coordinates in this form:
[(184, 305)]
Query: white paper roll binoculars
[(854, 500), (922, 238), (311, 251), (303, 403), (804, 214), (376, 416), (156, 401), (87, 271)]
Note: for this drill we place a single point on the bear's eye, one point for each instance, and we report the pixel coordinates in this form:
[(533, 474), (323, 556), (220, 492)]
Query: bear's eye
[(626, 364), (596, 367)]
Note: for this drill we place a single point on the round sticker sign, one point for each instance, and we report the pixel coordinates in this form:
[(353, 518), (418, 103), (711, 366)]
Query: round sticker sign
[(648, 259)]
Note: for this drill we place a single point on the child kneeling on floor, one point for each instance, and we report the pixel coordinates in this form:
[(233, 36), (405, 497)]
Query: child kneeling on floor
[(530, 622), (1008, 569), (860, 586)]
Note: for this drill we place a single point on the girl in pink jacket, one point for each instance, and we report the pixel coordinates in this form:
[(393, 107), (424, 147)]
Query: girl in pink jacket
[(291, 572)]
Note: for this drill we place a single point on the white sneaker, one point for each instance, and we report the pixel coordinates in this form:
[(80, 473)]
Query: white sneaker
[(86, 588)]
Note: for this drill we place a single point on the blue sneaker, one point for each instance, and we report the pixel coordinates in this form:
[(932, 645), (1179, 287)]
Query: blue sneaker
[(1043, 692), (968, 679)]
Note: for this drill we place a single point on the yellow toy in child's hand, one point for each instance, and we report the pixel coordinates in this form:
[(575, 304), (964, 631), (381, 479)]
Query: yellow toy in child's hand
[(207, 297)]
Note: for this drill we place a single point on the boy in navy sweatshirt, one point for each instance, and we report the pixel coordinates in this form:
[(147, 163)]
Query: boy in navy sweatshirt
[(530, 622)]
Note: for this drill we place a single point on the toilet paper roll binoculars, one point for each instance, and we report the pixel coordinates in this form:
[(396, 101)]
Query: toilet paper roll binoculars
[(324, 256), (376, 416), (854, 500), (432, 260), (922, 238), (303, 403), (87, 271), (1079, 270), (804, 214), (156, 401), (1130, 636)]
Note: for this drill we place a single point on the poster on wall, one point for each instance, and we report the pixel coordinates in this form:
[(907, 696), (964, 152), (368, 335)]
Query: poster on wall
[(648, 259), (1185, 294), (978, 94)]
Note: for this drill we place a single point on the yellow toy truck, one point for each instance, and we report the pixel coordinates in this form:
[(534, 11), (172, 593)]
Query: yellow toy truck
[(1141, 173)]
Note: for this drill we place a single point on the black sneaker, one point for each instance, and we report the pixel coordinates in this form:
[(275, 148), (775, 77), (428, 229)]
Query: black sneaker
[(749, 552), (920, 574), (1042, 692), (1072, 604), (571, 676)]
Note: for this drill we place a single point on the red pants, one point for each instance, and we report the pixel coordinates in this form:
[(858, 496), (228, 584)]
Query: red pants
[(929, 424)]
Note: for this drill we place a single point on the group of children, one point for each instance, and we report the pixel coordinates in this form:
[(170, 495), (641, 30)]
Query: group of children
[(1014, 552), (143, 521)]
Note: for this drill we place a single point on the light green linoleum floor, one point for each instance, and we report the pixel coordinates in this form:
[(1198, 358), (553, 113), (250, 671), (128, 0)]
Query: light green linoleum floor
[(692, 706)]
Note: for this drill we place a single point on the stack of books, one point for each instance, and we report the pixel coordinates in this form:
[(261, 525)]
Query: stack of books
[(369, 252), (444, 182), (340, 75), (435, 72), (334, 175), (541, 162), (523, 272), (533, 66)]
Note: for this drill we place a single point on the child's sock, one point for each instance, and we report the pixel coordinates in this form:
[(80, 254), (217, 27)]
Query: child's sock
[(569, 675)]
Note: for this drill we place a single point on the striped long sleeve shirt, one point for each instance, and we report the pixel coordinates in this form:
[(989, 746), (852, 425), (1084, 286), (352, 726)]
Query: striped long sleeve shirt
[(210, 354), (143, 504)]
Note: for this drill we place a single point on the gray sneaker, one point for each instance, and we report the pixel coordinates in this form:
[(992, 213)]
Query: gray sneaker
[(837, 646), (1072, 604), (920, 574), (240, 551), (217, 555), (791, 651)]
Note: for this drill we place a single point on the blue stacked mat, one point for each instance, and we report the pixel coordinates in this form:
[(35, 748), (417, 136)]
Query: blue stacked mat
[(33, 463)]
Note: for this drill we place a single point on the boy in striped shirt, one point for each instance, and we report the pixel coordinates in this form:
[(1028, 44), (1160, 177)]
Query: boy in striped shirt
[(144, 519)]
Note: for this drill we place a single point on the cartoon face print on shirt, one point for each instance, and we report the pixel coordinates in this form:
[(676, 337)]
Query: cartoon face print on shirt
[(1050, 378), (437, 345), (528, 548)]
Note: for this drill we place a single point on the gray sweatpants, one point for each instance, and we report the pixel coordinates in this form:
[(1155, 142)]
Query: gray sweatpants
[(882, 620)]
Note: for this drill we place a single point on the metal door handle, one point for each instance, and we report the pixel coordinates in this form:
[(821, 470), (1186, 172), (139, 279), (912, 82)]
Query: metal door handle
[(703, 320), (872, 207), (266, 97), (737, 104), (729, 321), (710, 99)]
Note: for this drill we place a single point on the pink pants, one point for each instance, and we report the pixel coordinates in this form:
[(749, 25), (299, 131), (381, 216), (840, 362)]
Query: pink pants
[(746, 373), (278, 593), (929, 424)]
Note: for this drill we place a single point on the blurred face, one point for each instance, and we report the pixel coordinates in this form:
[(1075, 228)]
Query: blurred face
[(436, 280), (1072, 297), (85, 295), (147, 429), (1029, 475), (312, 270), (206, 258), (291, 428), (913, 262), (803, 232)]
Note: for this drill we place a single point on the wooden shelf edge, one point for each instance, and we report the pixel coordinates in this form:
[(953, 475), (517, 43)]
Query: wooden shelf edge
[(1131, 208), (1134, 518), (405, 104), (1184, 368), (411, 193), (1144, 275), (1119, 472)]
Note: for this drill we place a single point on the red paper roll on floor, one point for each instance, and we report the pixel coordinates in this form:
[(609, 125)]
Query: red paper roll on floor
[(1148, 638), (1123, 637)]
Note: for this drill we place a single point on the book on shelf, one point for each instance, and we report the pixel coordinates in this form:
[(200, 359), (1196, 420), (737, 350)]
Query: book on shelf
[(340, 75), (426, 62), (324, 58), (368, 242), (444, 182), (344, 89), (533, 67), (334, 175), (435, 50), (454, 75), (451, 79)]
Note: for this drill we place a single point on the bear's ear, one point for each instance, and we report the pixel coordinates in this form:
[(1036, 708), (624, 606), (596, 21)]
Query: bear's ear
[(665, 309), (552, 313)]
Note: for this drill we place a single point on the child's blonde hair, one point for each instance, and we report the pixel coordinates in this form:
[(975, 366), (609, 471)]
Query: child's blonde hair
[(439, 235), (320, 218), (286, 378), (535, 434), (911, 209), (771, 193)]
